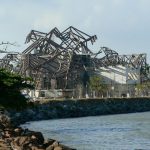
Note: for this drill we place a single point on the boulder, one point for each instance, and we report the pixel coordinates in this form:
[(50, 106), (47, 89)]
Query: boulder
[(48, 142), (7, 134), (2, 127), (32, 147), (50, 147), (36, 148), (55, 144), (18, 131), (17, 138), (66, 147), (19, 142), (4, 121), (36, 137), (58, 148), (4, 145)]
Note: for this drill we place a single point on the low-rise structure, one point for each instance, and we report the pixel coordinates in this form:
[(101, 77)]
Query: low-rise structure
[(61, 64)]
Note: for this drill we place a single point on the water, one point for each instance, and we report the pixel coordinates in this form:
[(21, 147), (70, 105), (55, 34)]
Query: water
[(112, 132)]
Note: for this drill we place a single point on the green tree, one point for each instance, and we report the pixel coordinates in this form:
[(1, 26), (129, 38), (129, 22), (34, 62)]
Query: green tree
[(97, 85), (143, 89), (11, 85)]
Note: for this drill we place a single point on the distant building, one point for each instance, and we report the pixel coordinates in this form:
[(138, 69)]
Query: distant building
[(61, 63)]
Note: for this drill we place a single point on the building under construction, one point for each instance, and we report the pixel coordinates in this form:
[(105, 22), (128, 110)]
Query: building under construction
[(64, 61)]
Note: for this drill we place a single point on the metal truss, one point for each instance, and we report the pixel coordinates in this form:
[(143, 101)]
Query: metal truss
[(112, 58), (51, 54), (11, 58), (134, 61), (65, 57), (109, 59)]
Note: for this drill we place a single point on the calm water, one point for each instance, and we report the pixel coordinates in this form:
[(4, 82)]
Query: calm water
[(113, 132)]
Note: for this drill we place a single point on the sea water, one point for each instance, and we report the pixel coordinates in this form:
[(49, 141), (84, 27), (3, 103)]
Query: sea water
[(109, 132)]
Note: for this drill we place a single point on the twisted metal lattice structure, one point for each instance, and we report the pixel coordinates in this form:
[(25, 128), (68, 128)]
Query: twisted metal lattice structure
[(65, 57), (10, 57), (55, 54)]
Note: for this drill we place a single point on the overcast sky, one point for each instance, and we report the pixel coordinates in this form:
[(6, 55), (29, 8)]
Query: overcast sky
[(122, 25)]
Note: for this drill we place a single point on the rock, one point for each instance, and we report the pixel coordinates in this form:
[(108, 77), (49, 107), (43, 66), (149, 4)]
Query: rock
[(66, 147), (48, 142), (18, 131), (33, 138), (1, 134), (2, 126), (20, 142), (50, 147), (37, 137), (55, 144), (7, 134), (58, 148), (4, 145), (4, 121), (23, 139), (36, 148)]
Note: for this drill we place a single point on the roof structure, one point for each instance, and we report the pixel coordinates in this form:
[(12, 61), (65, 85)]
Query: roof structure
[(65, 56)]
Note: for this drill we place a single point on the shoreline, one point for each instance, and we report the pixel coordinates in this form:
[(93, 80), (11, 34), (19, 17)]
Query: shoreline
[(14, 137), (57, 109)]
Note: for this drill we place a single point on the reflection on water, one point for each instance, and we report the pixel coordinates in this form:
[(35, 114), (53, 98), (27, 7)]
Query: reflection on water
[(112, 132)]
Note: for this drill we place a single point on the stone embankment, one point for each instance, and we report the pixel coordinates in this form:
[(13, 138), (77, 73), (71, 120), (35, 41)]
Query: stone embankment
[(17, 138), (79, 108)]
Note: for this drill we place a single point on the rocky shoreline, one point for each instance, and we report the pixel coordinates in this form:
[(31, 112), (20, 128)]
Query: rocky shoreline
[(56, 109), (13, 137), (17, 138)]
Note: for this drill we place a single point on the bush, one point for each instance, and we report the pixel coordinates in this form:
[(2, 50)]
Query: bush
[(11, 85)]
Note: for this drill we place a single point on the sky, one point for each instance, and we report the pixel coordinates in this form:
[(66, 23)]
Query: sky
[(122, 25)]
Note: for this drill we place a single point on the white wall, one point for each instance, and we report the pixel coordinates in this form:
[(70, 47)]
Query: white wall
[(120, 74)]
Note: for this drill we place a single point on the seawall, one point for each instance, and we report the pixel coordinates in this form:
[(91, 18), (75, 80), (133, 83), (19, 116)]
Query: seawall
[(78, 108)]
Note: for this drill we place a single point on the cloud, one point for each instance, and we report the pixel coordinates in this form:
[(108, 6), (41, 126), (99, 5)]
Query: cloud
[(118, 2), (119, 24), (48, 21), (2, 12)]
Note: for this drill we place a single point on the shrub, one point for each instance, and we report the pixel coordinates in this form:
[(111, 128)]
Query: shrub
[(11, 85)]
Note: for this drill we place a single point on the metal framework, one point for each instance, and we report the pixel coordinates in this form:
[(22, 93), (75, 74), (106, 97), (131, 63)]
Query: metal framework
[(10, 57), (56, 55), (65, 57)]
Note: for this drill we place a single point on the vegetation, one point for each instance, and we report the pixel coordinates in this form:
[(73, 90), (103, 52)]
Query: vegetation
[(10, 89), (142, 89), (97, 85)]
